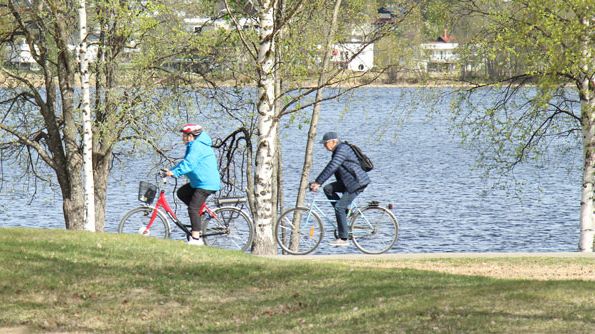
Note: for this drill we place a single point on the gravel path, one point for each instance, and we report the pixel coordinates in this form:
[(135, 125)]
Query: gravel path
[(538, 266)]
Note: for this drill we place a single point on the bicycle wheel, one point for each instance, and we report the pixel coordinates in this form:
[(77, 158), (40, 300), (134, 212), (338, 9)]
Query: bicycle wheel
[(299, 231), (231, 229), (136, 221), (374, 230)]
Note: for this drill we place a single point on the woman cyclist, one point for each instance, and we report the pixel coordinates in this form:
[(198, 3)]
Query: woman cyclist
[(200, 167)]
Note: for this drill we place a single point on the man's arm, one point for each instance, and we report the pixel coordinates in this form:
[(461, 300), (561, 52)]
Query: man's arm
[(333, 165)]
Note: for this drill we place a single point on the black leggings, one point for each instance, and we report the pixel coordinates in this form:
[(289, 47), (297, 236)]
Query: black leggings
[(194, 198)]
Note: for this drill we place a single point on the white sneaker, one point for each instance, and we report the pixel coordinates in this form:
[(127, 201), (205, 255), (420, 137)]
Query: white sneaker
[(143, 231), (195, 242), (340, 243)]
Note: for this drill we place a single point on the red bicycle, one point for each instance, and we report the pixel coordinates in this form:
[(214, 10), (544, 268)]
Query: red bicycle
[(227, 226)]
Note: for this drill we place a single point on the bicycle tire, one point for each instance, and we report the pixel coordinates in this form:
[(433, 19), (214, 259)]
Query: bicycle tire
[(309, 233), (231, 229), (136, 219), (374, 230)]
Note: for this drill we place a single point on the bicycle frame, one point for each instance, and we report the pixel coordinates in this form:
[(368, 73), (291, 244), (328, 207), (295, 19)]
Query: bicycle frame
[(162, 203), (354, 210), (224, 223), (314, 207)]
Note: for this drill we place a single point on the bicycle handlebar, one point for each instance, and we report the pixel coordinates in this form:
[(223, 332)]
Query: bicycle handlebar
[(161, 174)]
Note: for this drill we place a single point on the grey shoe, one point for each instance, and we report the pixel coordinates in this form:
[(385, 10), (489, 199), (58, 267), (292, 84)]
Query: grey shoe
[(339, 243)]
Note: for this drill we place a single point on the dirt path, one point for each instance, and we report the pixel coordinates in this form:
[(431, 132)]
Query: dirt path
[(539, 266)]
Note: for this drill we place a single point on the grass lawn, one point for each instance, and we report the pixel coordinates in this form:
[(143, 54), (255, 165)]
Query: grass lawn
[(79, 282)]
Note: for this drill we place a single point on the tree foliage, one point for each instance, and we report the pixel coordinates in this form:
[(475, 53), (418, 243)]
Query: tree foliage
[(543, 90), (41, 110)]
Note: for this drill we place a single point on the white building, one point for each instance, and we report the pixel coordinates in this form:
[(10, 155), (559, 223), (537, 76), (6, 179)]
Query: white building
[(355, 56), (201, 24), (19, 54), (440, 56)]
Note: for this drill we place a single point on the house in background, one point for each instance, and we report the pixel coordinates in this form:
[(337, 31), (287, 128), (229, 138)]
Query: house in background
[(440, 57), (204, 24), (19, 55), (385, 16), (357, 53), (354, 56)]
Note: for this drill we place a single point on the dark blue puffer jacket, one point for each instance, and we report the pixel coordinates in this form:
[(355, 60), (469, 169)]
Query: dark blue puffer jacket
[(346, 167)]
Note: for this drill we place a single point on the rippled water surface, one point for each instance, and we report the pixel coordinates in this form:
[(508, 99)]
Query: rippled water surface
[(442, 203)]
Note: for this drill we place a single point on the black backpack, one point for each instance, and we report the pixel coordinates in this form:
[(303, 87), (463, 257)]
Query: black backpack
[(363, 159)]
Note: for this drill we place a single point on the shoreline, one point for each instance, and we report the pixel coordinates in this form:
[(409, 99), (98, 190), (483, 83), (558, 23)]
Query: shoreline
[(37, 80)]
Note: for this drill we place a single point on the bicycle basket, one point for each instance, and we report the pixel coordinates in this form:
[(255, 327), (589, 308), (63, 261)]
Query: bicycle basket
[(146, 192)]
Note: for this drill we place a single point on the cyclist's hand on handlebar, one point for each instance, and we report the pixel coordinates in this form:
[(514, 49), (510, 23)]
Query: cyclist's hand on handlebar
[(166, 172), (314, 186)]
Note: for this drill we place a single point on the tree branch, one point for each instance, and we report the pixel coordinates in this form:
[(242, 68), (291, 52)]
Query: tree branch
[(252, 52), (31, 143)]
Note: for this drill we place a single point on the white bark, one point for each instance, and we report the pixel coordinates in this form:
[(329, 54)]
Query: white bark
[(267, 133), (587, 229), (89, 185), (586, 211), (588, 124)]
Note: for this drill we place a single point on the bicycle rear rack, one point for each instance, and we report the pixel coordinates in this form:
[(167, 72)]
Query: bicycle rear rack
[(230, 200)]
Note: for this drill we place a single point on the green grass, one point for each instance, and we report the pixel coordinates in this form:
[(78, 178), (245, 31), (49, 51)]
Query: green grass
[(63, 281)]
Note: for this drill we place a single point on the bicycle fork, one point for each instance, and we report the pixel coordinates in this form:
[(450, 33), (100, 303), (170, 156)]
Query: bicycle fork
[(145, 230)]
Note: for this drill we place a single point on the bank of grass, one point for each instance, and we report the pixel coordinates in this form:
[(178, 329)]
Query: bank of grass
[(67, 282)]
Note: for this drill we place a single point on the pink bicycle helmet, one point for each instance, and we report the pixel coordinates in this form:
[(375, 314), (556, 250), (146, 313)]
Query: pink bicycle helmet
[(194, 129)]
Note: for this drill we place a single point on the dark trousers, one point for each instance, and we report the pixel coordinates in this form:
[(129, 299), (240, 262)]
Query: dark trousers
[(194, 198), (341, 205)]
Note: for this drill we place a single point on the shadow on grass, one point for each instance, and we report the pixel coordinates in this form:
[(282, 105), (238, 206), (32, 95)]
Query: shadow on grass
[(116, 283)]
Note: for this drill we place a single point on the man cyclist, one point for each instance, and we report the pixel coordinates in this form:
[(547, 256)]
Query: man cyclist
[(351, 180), (200, 167)]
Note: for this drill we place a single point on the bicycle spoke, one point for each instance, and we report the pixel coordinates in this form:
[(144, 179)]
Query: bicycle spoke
[(298, 231), (231, 229), (237, 241), (374, 230), (136, 222), (287, 226)]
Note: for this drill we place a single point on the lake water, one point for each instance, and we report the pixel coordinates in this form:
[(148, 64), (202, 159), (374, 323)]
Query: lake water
[(442, 202)]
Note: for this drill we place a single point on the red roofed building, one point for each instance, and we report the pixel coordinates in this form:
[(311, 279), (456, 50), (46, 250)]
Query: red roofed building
[(440, 56)]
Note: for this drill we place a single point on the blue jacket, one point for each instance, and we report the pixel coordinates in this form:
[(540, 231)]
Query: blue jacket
[(200, 164), (347, 170)]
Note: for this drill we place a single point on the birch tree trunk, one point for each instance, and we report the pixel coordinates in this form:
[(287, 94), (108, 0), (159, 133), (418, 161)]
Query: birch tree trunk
[(267, 132), (586, 87), (586, 219), (87, 121)]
